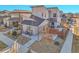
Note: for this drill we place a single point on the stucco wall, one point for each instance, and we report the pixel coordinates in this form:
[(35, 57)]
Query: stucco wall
[(40, 12), (58, 14), (33, 28)]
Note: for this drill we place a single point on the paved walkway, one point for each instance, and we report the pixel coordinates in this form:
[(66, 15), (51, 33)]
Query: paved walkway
[(67, 47)]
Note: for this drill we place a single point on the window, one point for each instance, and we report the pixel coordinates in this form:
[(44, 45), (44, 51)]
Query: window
[(42, 14), (45, 15), (49, 13), (54, 15)]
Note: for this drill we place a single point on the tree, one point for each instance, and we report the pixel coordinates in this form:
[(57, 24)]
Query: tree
[(14, 33), (56, 43)]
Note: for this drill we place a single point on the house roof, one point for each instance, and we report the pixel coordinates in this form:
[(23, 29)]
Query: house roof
[(53, 8), (21, 11), (5, 11), (14, 19), (37, 21), (4, 16), (37, 6), (29, 22)]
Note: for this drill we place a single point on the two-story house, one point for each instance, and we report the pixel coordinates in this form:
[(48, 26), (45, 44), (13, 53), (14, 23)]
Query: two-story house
[(37, 21), (54, 17)]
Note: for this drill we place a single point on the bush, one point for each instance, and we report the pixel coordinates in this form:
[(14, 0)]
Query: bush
[(56, 43), (14, 33)]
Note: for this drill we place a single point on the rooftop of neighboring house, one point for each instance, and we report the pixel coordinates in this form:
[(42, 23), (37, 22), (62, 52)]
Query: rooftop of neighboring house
[(53, 8), (4, 16), (21, 11), (15, 19), (4, 11), (37, 6), (37, 21)]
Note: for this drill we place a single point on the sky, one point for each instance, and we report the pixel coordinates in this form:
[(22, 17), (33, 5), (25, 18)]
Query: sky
[(64, 8)]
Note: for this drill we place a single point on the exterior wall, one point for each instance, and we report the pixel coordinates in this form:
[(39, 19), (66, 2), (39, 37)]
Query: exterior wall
[(25, 15), (58, 15), (40, 12), (42, 25), (45, 22), (51, 12), (6, 21), (25, 27), (34, 29), (14, 15), (4, 13)]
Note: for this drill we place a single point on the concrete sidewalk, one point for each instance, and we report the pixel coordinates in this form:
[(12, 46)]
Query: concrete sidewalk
[(67, 46)]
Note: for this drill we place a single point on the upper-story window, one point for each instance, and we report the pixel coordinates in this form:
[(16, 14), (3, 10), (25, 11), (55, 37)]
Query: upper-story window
[(45, 15), (54, 15), (49, 13), (42, 14)]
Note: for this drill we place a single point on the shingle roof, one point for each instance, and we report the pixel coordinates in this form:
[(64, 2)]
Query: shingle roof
[(37, 6), (29, 22), (14, 19), (3, 16), (53, 8), (37, 21), (21, 11)]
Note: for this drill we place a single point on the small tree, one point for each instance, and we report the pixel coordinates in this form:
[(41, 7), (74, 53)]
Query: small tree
[(14, 33), (57, 43)]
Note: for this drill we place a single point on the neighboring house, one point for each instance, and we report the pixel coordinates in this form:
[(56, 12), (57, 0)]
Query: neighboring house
[(14, 21), (54, 17), (21, 14), (4, 20), (4, 13), (4, 17)]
